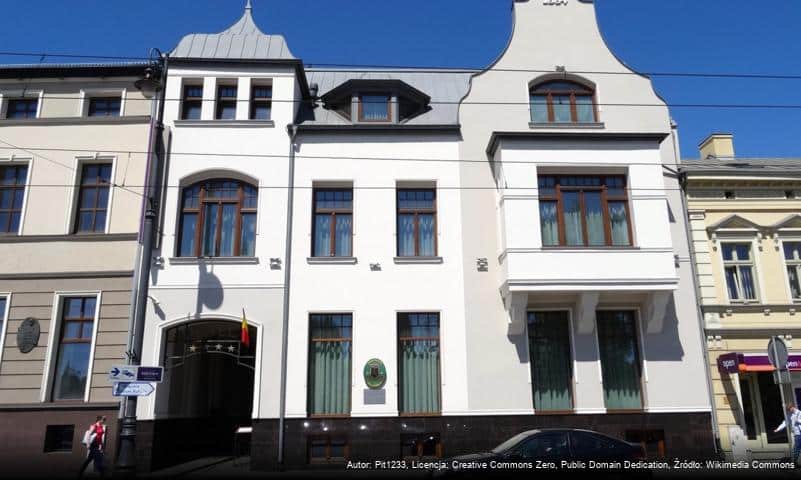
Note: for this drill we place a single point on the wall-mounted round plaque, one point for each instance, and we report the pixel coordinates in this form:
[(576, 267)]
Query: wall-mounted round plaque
[(28, 335), (375, 373)]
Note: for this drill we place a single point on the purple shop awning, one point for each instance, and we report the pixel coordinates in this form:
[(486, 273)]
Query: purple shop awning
[(738, 362)]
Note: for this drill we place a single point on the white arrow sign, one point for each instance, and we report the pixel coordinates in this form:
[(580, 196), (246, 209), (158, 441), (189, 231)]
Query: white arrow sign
[(122, 373), (132, 389)]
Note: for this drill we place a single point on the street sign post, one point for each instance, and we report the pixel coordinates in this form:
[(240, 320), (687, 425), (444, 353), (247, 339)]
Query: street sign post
[(132, 389), (131, 373), (777, 354)]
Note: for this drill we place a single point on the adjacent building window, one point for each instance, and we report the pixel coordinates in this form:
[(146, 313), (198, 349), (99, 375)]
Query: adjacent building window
[(421, 446), (418, 363), (261, 102), (739, 269), (551, 361), (58, 438), (417, 222), (584, 211), (792, 256), (620, 359), (93, 198), (104, 106), (375, 108), (218, 219), (12, 195), (333, 222), (330, 364), (75, 340), (226, 102), (328, 449), (19, 108), (192, 102), (562, 102), (3, 301)]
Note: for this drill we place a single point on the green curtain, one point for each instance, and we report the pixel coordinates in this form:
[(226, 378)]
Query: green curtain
[(419, 363), (550, 360), (620, 360), (330, 365)]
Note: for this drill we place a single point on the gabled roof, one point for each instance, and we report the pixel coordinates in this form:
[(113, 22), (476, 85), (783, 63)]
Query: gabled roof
[(241, 41), (734, 221), (792, 221)]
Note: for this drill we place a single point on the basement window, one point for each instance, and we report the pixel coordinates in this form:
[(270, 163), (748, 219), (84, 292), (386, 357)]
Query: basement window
[(58, 438)]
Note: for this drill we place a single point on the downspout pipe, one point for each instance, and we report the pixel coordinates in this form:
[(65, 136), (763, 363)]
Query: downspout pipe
[(682, 179), (292, 130)]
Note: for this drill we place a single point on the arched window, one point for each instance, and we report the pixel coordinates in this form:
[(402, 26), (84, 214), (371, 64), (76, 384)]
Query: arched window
[(218, 219), (562, 101)]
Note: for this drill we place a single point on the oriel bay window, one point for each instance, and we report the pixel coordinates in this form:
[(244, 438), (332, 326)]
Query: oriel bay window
[(418, 363), (562, 102), (218, 219), (551, 360), (739, 270), (620, 359), (417, 222), (584, 211), (12, 195), (330, 364), (93, 198), (792, 257), (75, 340), (333, 222)]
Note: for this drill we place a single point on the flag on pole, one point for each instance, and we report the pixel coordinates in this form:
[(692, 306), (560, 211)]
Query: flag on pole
[(245, 337)]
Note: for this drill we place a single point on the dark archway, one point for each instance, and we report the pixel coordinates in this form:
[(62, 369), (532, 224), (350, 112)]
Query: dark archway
[(207, 390)]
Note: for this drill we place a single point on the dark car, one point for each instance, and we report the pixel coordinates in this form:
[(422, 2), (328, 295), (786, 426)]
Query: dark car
[(543, 449)]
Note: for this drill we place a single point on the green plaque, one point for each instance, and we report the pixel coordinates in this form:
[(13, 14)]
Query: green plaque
[(375, 373)]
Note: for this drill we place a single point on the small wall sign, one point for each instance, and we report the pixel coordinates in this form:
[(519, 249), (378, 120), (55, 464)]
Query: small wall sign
[(375, 374), (28, 335)]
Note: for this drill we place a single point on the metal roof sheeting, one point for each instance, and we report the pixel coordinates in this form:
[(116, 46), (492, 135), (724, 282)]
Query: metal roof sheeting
[(726, 165)]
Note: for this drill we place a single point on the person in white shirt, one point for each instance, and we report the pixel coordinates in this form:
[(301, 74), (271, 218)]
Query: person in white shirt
[(795, 424)]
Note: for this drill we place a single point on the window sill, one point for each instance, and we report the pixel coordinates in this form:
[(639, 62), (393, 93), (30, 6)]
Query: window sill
[(214, 261), (549, 125), (591, 248), (331, 260), (76, 120), (418, 260), (225, 123)]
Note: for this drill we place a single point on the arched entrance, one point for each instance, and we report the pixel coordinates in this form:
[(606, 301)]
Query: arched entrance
[(207, 390)]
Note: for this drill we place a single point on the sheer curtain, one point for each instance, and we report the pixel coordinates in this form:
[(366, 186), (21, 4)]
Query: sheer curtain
[(539, 108), (595, 218), (551, 364), (620, 223), (426, 232), (322, 235), (227, 230), (620, 360), (573, 229), (419, 363), (248, 235), (549, 223), (747, 283), (330, 365), (210, 230), (405, 235), (344, 227)]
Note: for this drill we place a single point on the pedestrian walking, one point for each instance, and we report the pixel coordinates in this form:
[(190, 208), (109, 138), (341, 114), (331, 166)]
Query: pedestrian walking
[(95, 441), (795, 424)]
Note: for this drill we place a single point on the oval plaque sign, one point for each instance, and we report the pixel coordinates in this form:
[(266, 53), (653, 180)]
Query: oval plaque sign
[(28, 335), (375, 373)]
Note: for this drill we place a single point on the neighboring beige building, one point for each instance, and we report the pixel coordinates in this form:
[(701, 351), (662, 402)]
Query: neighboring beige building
[(73, 142), (745, 218)]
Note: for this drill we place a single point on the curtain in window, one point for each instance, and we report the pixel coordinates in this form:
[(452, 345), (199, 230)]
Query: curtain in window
[(426, 231), (549, 223), (188, 226), (594, 218), (330, 365), (619, 223), (227, 234), (210, 230), (248, 235), (322, 235), (550, 359), (731, 282), (561, 108), (747, 280), (795, 286), (585, 112), (344, 227), (419, 363), (539, 109), (405, 235), (375, 107), (573, 229), (620, 364)]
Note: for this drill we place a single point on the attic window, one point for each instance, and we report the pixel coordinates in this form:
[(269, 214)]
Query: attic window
[(375, 107), (562, 102)]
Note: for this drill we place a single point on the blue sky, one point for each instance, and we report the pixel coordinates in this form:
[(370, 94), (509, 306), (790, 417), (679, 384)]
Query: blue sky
[(738, 36)]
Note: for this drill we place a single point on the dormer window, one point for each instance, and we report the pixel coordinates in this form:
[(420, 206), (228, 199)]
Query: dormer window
[(561, 101), (375, 108)]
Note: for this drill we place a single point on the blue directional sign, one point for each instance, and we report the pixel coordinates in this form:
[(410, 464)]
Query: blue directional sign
[(149, 374), (132, 389), (135, 373)]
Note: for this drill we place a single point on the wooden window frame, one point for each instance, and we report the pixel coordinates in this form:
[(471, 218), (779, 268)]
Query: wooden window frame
[(313, 340), (332, 212), (13, 188), (191, 100), (387, 119), (225, 101), (438, 339), (98, 185), (92, 108), (529, 334), (606, 198), (419, 441), (736, 263), (792, 263), (28, 100), (636, 336), (63, 322), (329, 439), (260, 101), (200, 211), (579, 91), (416, 212)]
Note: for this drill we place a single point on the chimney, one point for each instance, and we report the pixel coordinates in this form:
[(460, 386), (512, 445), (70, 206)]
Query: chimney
[(720, 145)]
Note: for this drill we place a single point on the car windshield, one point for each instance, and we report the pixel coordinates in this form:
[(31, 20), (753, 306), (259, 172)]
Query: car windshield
[(510, 443)]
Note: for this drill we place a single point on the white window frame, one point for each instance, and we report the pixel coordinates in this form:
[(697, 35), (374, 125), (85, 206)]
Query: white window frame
[(796, 263), (51, 354), (6, 95), (28, 162), (737, 263), (638, 325), (74, 190), (572, 338), (4, 326), (89, 93)]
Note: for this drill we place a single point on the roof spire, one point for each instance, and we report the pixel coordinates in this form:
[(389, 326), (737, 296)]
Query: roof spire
[(248, 6)]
